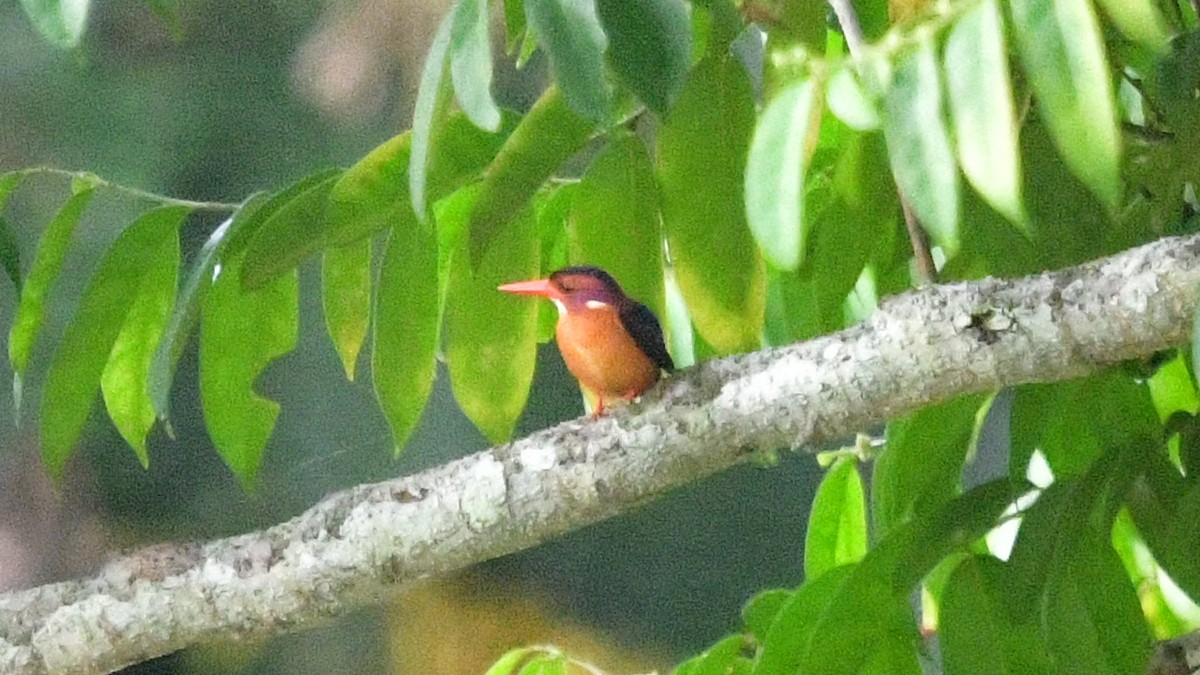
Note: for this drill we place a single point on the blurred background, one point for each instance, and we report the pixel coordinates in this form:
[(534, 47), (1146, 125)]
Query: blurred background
[(251, 96)]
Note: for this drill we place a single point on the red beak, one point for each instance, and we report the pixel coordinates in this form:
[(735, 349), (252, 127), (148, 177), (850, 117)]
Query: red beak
[(541, 287)]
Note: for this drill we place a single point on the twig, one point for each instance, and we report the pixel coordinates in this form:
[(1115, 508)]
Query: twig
[(926, 268), (88, 177)]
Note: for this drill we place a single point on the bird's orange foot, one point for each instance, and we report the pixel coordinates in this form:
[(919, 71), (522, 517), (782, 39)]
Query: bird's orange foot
[(599, 407)]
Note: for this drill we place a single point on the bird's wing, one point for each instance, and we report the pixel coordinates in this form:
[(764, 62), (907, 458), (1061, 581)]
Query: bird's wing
[(646, 332)]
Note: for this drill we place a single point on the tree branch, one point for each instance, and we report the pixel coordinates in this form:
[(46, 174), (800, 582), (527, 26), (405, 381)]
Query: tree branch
[(355, 546)]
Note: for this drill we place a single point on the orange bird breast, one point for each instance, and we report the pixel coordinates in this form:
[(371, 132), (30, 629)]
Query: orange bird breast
[(602, 355)]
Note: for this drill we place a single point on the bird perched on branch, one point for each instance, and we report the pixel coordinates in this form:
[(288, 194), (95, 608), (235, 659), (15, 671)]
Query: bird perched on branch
[(611, 343)]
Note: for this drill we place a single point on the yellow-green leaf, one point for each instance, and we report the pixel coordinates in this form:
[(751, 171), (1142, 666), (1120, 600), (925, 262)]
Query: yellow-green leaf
[(614, 221), (296, 230), (919, 146), (491, 337), (549, 133), (471, 63), (570, 33), (75, 372), (241, 332), (702, 149), (187, 308), (346, 298), (1062, 48), (429, 113), (125, 382), (403, 362), (981, 108), (783, 143), (837, 523), (47, 263)]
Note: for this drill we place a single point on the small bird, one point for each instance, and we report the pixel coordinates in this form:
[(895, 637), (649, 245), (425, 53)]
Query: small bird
[(611, 343)]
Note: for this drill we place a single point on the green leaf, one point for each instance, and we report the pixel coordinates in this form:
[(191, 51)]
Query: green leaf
[(851, 221), (10, 251), (760, 612), (507, 664), (346, 298), (951, 527), (1166, 506), (871, 607), (650, 47), (463, 152), (723, 658), (471, 64), (187, 307), (368, 195), (433, 99), (544, 139), (702, 149), (241, 332), (837, 523), (1071, 509), (407, 316), (1140, 21), (1196, 336), (1073, 422), (613, 222), (75, 372), (125, 382), (1091, 619), (514, 25), (979, 636), (919, 146), (250, 222), (849, 102), (981, 108), (795, 625), (677, 324), (546, 663), (921, 466), (1172, 388), (571, 35), (854, 624), (60, 22), (783, 144), (491, 337), (47, 263), (296, 230), (1062, 48)]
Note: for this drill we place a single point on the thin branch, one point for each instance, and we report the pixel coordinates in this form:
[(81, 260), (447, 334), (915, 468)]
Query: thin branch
[(356, 546), (93, 179), (926, 268)]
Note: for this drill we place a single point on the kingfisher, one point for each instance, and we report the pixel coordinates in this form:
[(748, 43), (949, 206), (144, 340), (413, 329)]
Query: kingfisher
[(611, 343)]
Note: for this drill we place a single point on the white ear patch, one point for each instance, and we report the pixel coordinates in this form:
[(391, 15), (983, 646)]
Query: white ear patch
[(562, 309), (595, 304)]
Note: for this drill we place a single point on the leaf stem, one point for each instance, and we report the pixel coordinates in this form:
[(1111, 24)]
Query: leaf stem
[(97, 181)]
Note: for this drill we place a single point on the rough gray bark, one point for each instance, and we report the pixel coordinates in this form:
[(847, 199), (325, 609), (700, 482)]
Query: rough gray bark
[(358, 545)]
